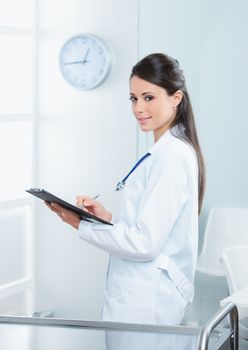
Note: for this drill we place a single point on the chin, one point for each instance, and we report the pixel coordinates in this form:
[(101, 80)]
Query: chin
[(145, 128)]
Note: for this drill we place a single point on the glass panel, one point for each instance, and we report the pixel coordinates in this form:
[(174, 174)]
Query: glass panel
[(16, 304), (14, 241), (16, 74), (79, 339), (16, 13), (16, 156), (18, 338)]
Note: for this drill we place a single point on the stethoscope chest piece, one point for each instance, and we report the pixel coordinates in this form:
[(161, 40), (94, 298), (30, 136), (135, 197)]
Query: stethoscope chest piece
[(120, 186)]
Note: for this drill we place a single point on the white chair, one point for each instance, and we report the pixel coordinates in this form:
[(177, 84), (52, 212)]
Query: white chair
[(225, 227), (235, 260)]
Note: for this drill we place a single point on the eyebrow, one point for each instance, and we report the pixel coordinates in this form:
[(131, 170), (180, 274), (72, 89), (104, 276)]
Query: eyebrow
[(144, 93)]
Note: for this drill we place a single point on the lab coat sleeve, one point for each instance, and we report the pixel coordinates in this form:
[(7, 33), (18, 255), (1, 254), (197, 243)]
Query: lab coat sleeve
[(165, 195)]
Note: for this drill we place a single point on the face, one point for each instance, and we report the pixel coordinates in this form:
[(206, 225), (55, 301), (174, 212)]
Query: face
[(153, 108)]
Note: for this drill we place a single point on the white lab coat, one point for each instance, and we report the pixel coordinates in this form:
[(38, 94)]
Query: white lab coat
[(153, 243)]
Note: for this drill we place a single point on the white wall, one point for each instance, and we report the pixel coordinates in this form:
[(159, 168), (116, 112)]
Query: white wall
[(86, 143), (209, 38)]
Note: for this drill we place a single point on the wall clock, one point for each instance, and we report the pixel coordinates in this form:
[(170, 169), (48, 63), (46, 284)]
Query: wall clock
[(85, 61)]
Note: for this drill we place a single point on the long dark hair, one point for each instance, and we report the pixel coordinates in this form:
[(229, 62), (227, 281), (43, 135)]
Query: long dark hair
[(164, 71)]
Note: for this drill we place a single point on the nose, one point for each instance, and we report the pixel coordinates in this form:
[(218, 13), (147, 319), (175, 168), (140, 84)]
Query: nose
[(139, 106)]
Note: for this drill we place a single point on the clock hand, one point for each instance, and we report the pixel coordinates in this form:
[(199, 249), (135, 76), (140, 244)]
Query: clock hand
[(73, 62), (85, 60)]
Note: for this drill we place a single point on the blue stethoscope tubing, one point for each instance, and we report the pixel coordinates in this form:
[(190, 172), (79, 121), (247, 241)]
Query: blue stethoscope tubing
[(121, 184)]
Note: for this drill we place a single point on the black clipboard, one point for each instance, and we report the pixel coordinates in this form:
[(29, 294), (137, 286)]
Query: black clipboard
[(49, 197)]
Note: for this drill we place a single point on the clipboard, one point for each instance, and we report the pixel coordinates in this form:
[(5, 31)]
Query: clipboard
[(49, 197)]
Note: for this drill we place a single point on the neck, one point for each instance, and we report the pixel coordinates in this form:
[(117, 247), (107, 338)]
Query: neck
[(158, 133)]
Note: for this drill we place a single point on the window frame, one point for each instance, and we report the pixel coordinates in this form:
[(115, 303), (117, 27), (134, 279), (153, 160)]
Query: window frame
[(27, 284)]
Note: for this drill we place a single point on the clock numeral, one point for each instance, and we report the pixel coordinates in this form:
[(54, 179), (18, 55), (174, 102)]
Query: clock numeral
[(83, 83), (100, 71)]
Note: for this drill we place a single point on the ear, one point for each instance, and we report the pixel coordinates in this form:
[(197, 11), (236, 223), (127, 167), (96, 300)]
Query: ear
[(177, 97)]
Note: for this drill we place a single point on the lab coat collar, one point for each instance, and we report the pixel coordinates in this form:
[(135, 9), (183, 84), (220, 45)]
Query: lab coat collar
[(167, 137)]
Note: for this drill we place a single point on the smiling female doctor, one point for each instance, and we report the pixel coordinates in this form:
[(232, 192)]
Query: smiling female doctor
[(153, 242)]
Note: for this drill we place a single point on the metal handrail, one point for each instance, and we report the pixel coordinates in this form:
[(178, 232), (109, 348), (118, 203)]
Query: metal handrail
[(203, 332), (102, 325), (209, 327)]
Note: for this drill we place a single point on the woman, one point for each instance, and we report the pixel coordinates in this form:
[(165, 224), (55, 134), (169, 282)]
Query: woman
[(153, 242)]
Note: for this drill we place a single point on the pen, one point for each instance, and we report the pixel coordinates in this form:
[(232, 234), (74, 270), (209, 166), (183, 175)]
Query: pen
[(96, 196)]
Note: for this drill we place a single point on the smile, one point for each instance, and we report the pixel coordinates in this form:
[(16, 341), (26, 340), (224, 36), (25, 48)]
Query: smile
[(143, 119)]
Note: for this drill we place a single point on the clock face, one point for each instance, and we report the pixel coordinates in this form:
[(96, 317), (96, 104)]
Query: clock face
[(84, 61)]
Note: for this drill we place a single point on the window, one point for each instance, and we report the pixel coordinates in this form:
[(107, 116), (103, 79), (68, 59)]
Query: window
[(17, 122), (16, 74)]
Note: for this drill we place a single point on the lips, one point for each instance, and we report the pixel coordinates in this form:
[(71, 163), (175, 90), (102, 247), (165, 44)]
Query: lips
[(143, 119)]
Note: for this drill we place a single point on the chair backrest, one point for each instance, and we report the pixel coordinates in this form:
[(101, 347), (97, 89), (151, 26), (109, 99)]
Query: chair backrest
[(235, 261), (225, 227)]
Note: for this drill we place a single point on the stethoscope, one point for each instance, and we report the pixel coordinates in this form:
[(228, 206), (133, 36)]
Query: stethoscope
[(122, 183)]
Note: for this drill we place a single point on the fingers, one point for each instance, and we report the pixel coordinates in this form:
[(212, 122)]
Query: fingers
[(56, 208), (84, 201), (66, 215)]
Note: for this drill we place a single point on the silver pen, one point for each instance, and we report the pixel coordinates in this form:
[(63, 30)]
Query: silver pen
[(96, 196)]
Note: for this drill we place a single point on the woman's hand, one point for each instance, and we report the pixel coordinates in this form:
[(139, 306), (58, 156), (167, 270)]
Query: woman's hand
[(66, 215), (93, 207)]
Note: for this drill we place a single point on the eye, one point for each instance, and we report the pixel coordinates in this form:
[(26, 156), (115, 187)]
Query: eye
[(149, 97), (132, 99)]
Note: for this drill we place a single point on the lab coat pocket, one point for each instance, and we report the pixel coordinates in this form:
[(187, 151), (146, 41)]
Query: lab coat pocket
[(131, 300), (181, 282)]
